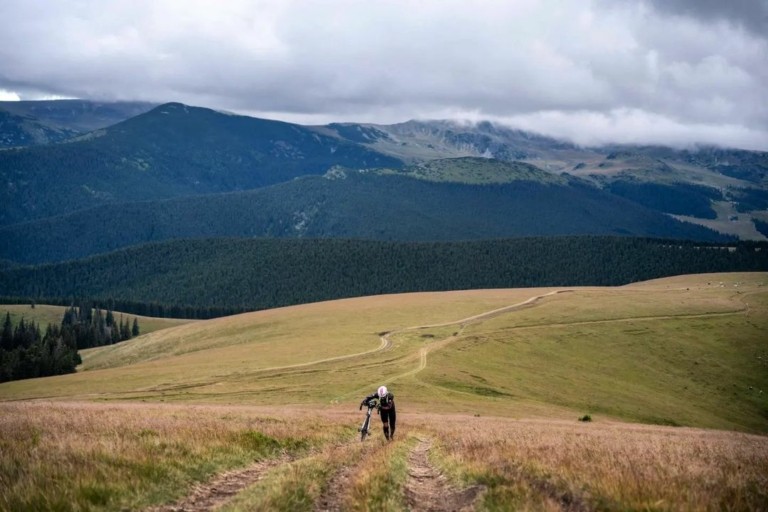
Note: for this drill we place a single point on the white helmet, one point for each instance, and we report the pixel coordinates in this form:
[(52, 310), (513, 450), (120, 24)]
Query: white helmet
[(382, 391)]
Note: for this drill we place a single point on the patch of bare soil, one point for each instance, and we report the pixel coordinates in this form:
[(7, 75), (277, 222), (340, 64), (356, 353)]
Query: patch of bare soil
[(334, 497), (427, 488), (205, 497)]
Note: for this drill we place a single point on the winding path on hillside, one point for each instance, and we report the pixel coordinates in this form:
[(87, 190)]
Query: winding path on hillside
[(462, 324), (387, 344), (386, 341)]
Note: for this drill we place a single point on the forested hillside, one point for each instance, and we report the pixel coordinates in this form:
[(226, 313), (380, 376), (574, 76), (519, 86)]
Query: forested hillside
[(16, 130), (257, 274), (424, 203), (74, 116), (171, 151)]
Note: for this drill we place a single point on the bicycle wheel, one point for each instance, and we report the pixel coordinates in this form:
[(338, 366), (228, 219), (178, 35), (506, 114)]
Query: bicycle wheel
[(364, 430)]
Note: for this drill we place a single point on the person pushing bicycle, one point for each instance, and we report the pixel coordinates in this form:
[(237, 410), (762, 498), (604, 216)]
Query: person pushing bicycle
[(386, 409)]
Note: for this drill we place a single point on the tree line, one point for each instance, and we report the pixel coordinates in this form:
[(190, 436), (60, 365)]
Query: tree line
[(26, 352), (151, 309), (233, 275)]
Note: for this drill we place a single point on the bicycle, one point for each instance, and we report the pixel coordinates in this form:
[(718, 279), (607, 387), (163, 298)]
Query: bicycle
[(365, 427)]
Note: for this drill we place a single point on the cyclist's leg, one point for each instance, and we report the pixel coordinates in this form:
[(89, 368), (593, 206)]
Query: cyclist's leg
[(385, 421), (392, 421)]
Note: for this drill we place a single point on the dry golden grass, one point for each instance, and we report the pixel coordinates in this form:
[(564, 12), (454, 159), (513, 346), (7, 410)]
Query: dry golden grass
[(688, 350), (79, 456), (85, 456), (619, 466)]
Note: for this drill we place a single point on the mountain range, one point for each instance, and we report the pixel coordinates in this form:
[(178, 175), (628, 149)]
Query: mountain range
[(100, 176)]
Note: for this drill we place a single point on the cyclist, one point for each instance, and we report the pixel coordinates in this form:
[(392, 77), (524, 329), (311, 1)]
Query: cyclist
[(386, 409)]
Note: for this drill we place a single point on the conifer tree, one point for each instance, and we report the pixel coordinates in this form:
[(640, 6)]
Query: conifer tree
[(135, 329), (125, 330), (6, 337)]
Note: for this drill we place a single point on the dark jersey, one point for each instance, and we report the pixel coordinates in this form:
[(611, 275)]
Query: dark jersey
[(386, 403)]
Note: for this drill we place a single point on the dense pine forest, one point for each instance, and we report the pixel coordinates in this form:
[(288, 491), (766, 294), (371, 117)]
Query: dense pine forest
[(230, 275), (355, 205)]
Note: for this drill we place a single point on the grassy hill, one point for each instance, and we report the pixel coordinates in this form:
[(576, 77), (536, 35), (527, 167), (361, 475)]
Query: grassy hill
[(454, 199), (43, 314), (679, 351), (266, 273), (173, 150), (488, 383)]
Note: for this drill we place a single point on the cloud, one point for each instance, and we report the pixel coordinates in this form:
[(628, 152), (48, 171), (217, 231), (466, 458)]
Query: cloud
[(313, 61), (8, 95), (751, 15), (632, 126)]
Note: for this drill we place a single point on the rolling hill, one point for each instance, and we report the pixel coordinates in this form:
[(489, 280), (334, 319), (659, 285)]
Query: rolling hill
[(680, 351), (453, 199), (489, 385), (172, 150), (266, 273)]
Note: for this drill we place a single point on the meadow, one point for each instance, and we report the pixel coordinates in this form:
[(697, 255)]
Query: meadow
[(490, 385), (95, 456)]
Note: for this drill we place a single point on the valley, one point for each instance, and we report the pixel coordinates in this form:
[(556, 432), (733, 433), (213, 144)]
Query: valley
[(383, 256), (564, 328)]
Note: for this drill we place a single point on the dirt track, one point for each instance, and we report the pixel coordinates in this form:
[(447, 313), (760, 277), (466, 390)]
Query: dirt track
[(205, 497), (428, 490)]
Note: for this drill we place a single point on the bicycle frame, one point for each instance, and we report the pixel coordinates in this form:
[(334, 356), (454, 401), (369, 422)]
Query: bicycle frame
[(365, 428)]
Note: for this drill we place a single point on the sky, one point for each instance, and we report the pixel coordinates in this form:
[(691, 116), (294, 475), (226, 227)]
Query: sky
[(674, 72)]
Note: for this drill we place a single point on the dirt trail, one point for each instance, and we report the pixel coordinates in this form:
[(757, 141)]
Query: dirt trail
[(428, 490), (222, 488), (334, 497)]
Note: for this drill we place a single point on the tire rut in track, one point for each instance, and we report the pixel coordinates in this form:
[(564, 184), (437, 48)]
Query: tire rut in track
[(428, 490), (334, 497), (207, 496)]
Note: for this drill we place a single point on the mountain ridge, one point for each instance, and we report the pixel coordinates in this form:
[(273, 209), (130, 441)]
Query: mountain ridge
[(54, 121), (172, 150), (175, 150), (452, 199)]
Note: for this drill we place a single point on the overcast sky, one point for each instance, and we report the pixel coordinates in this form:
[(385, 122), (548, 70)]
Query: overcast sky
[(649, 71)]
